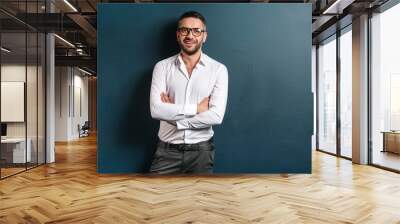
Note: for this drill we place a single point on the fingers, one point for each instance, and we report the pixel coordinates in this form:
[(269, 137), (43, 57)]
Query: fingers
[(162, 97), (165, 98), (206, 99)]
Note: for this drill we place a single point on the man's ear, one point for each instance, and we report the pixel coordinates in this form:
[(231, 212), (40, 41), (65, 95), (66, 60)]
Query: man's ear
[(205, 38)]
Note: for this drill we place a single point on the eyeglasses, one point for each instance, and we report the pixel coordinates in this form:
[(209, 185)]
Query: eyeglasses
[(195, 31)]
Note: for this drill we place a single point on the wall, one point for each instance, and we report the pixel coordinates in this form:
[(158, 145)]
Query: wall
[(267, 50), (15, 72), (314, 91), (69, 84)]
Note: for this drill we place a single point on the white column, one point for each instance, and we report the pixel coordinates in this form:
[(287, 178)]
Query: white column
[(50, 93)]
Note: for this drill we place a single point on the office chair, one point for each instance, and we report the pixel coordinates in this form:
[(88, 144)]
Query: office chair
[(84, 130)]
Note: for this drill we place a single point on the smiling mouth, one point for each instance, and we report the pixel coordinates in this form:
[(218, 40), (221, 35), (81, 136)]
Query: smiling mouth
[(188, 42)]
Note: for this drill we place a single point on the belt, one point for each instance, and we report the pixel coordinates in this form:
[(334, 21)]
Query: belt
[(184, 146)]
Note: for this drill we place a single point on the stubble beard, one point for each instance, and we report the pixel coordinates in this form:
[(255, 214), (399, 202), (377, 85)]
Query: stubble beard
[(189, 51)]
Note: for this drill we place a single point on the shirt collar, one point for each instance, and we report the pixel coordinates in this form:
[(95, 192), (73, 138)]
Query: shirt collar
[(202, 61)]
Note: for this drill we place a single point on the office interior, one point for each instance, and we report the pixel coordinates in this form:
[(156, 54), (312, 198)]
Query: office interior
[(49, 74)]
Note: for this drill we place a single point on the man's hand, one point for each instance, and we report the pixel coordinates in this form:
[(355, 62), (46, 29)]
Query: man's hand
[(165, 98), (203, 105)]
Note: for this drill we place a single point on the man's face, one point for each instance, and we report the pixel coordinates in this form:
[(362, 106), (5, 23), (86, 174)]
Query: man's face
[(192, 41)]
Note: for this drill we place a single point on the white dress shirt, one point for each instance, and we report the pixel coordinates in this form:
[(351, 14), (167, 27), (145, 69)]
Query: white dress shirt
[(179, 122)]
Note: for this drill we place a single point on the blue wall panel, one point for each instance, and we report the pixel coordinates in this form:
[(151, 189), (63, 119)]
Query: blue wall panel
[(267, 49)]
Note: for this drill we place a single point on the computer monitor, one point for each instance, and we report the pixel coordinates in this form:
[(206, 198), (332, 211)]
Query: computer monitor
[(3, 129)]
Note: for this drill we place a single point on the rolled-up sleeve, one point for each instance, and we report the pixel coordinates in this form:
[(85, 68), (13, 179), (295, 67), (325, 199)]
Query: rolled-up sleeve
[(166, 111), (217, 105)]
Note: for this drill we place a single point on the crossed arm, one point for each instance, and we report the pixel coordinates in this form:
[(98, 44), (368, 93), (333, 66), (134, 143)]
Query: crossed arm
[(210, 111)]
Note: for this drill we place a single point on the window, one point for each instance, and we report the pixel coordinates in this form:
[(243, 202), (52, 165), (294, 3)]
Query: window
[(385, 88), (327, 95), (346, 92)]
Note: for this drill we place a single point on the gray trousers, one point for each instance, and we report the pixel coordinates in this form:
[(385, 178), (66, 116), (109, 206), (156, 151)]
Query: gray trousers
[(183, 158)]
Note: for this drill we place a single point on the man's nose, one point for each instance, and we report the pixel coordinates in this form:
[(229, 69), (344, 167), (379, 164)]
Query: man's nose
[(190, 34)]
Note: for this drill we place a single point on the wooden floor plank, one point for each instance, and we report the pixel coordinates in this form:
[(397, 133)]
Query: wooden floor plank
[(70, 191)]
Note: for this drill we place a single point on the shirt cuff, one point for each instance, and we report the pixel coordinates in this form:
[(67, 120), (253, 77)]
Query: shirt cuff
[(190, 109), (181, 124)]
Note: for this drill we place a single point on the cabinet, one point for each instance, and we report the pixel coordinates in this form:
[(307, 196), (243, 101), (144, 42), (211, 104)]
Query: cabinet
[(13, 150), (391, 142)]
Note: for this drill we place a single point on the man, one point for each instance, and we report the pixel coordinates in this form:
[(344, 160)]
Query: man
[(188, 95)]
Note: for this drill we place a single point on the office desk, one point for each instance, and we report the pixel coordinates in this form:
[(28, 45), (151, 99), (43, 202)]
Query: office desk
[(391, 141), (13, 150)]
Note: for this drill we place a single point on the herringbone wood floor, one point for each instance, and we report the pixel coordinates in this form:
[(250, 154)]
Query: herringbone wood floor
[(70, 191)]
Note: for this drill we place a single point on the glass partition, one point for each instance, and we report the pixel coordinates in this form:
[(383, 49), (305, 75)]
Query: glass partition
[(14, 153), (22, 78), (327, 95)]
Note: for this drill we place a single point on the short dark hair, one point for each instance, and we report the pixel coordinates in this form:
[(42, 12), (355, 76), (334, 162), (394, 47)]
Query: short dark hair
[(192, 14)]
